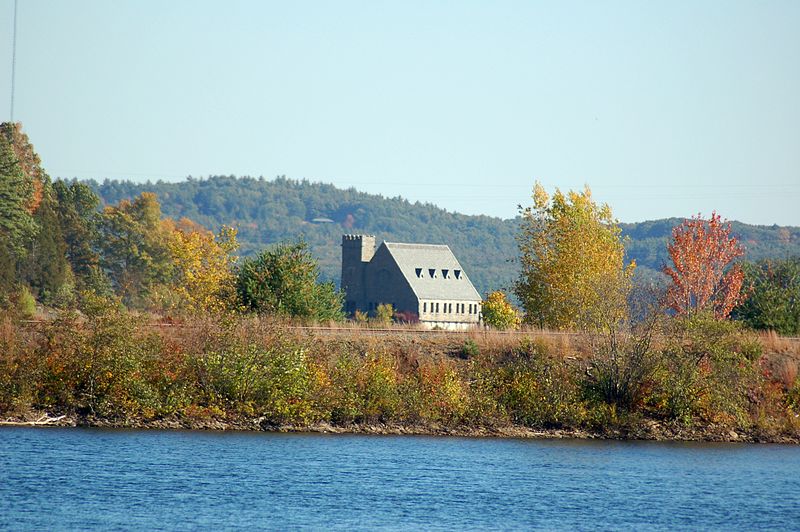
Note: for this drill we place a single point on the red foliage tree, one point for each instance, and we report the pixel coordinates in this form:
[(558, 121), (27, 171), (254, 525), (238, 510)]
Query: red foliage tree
[(702, 278)]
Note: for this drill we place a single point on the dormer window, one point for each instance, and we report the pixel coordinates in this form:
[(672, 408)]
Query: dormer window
[(457, 273), (419, 272), (446, 274), (432, 273)]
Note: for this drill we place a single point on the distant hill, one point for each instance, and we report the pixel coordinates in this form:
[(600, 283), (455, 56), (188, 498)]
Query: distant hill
[(268, 211)]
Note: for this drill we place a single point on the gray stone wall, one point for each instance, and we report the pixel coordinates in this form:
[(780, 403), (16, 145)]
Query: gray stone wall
[(357, 251), (371, 277), (385, 283)]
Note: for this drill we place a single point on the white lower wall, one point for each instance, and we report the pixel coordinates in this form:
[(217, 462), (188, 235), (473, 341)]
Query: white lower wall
[(449, 325)]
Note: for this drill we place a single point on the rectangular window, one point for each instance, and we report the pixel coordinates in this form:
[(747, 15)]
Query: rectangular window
[(457, 274), (419, 272), (437, 308), (424, 306), (445, 274), (432, 273)]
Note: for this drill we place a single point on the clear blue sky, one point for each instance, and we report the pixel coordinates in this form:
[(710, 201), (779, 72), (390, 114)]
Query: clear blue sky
[(663, 109)]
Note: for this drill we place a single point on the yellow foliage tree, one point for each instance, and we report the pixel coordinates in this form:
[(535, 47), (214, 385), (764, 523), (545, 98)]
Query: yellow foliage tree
[(573, 274), (203, 265), (498, 312)]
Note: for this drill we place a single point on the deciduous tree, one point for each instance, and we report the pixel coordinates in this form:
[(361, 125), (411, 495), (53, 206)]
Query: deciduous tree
[(572, 262), (135, 244), (203, 277), (498, 312), (703, 276), (284, 280)]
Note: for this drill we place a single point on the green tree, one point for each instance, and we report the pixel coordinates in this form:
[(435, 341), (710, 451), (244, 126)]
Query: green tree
[(17, 204), (78, 217), (16, 190), (283, 280), (135, 246), (384, 314), (774, 297), (45, 267), (498, 312), (573, 273)]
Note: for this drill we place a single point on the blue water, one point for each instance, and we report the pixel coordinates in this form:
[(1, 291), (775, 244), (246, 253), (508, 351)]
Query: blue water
[(53, 479)]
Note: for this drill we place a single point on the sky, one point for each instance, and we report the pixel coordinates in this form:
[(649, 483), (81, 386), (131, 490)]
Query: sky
[(662, 108)]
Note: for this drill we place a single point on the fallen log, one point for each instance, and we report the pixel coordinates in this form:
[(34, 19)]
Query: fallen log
[(44, 420)]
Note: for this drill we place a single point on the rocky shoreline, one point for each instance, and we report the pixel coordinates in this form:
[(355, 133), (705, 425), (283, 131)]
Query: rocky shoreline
[(647, 430)]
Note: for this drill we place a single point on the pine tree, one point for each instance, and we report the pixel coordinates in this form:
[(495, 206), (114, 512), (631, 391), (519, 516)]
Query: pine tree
[(16, 196)]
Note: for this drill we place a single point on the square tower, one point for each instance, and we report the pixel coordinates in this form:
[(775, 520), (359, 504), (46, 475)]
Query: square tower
[(357, 251)]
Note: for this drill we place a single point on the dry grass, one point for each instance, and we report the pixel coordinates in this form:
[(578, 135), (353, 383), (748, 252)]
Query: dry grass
[(774, 343)]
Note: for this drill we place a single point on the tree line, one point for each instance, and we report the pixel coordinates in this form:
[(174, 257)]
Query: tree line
[(60, 240), (111, 277), (59, 245), (268, 211)]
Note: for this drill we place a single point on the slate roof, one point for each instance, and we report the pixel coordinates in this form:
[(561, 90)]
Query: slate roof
[(426, 257)]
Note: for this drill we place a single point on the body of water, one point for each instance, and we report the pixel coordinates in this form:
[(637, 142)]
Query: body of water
[(64, 478)]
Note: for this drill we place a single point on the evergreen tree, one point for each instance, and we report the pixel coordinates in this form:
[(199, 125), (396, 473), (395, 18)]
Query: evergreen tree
[(773, 301), (45, 267), (16, 195), (17, 226), (79, 219)]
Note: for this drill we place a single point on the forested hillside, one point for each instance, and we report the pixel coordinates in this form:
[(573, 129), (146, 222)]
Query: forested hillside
[(269, 211)]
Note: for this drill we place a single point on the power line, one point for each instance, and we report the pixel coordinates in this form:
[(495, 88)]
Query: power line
[(13, 60)]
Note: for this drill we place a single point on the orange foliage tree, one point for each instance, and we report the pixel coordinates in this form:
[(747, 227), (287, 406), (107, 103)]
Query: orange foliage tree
[(702, 276)]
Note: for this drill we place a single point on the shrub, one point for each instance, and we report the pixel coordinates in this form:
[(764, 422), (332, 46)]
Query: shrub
[(708, 371), (470, 348), (18, 367), (26, 304), (96, 365), (622, 366), (384, 314), (537, 389), (436, 392), (365, 389)]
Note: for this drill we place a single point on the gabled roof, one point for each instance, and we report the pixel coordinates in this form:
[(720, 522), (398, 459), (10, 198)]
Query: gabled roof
[(426, 257)]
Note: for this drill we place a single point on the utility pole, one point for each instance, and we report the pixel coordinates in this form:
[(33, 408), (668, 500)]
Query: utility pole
[(13, 60)]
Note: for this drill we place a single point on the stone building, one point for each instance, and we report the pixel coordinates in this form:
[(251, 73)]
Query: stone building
[(422, 280)]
